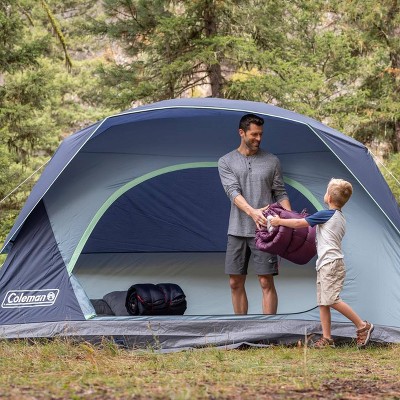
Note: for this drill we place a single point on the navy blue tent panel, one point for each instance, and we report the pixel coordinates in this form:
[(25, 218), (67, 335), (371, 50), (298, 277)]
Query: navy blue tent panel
[(182, 211), (199, 133), (298, 201), (42, 292)]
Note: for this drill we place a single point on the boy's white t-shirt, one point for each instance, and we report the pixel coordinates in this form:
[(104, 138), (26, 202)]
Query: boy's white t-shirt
[(331, 227)]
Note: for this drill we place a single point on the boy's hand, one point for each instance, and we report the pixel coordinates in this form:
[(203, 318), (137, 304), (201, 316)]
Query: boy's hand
[(275, 221)]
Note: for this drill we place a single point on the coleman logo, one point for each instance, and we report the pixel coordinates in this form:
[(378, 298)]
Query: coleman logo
[(30, 298)]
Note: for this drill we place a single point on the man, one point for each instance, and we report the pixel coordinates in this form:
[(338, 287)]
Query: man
[(252, 179)]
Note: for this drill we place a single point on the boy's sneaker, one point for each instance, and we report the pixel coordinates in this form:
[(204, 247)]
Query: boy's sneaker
[(364, 334), (322, 343)]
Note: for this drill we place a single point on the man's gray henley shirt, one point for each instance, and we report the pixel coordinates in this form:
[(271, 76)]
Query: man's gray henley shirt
[(258, 178)]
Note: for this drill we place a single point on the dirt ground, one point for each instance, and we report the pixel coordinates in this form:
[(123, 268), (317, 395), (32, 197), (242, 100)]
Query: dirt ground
[(343, 390), (336, 389)]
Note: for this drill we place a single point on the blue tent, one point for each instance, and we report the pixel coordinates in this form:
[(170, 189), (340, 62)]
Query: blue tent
[(136, 198)]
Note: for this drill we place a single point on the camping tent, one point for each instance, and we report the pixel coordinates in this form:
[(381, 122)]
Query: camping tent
[(136, 198)]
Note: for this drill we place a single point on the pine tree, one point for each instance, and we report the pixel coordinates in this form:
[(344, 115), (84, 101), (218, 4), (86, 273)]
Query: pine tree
[(172, 48), (304, 60), (40, 101), (375, 31)]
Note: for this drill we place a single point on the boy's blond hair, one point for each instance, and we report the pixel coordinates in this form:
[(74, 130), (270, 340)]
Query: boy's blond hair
[(340, 191)]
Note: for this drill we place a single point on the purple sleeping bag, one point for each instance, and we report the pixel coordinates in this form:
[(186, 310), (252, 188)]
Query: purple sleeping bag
[(296, 245)]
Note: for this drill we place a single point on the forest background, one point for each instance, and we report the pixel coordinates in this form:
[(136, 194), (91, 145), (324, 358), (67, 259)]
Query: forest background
[(65, 64)]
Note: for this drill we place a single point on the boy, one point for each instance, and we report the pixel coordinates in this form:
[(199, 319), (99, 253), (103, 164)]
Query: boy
[(330, 267)]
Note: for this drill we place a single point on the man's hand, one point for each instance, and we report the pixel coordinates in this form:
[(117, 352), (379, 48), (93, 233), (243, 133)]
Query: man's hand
[(255, 213), (258, 217)]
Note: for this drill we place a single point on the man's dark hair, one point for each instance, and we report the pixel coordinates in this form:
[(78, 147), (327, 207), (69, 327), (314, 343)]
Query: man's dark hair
[(248, 119)]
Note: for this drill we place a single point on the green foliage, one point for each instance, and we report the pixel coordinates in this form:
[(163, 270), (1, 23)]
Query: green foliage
[(171, 49), (305, 62), (374, 111), (41, 102), (18, 49), (391, 172), (24, 117)]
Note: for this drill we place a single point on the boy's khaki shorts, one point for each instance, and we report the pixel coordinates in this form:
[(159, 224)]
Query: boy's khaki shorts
[(330, 280)]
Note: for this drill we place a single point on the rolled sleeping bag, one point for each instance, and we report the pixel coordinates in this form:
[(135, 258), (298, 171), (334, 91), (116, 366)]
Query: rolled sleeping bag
[(101, 307), (274, 242), (131, 302), (149, 300), (175, 298), (295, 245), (116, 301), (302, 247)]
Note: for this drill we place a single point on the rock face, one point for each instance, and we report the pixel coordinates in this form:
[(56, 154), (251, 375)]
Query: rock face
[(380, 149)]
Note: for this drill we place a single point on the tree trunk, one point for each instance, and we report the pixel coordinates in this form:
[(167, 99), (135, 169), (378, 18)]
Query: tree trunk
[(214, 69), (215, 80)]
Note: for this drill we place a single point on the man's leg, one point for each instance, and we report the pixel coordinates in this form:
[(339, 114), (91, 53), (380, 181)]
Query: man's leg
[(266, 267), (238, 292), (269, 295), (236, 262)]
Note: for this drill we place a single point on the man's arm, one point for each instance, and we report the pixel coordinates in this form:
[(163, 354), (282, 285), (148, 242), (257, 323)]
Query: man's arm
[(228, 179), (285, 203), (255, 213), (278, 187)]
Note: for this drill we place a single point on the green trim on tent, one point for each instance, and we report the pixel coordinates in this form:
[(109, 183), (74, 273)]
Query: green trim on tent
[(119, 193), (302, 189)]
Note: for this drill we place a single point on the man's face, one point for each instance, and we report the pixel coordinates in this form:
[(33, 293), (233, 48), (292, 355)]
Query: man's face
[(252, 137)]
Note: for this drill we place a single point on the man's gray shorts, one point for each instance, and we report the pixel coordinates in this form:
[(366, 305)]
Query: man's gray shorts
[(238, 253)]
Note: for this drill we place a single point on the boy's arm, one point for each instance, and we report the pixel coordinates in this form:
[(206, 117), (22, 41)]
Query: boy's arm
[(290, 223)]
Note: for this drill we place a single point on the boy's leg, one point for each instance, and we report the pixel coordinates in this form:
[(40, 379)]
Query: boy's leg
[(349, 313), (325, 315), (326, 339), (330, 279), (364, 328)]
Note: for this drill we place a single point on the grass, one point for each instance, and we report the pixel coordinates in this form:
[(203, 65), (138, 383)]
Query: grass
[(61, 369)]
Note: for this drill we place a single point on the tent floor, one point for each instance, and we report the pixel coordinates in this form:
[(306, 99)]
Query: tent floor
[(170, 333)]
